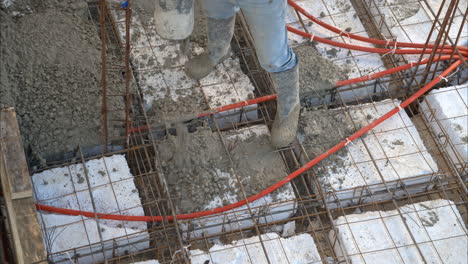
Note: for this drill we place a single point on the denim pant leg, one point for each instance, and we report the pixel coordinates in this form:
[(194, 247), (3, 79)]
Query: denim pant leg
[(266, 19), (219, 9)]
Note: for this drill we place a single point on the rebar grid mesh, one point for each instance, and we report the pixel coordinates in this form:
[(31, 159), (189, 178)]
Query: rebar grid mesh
[(317, 208)]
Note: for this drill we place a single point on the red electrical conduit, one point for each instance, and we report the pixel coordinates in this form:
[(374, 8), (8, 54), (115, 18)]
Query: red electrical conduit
[(216, 110), (390, 71), (368, 49), (270, 189), (273, 96), (361, 38)]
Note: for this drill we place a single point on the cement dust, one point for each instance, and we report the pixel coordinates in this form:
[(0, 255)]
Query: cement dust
[(201, 175)]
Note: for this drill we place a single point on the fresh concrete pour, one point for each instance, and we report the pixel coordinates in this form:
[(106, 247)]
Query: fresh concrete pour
[(50, 72), (317, 76), (56, 100), (201, 176)]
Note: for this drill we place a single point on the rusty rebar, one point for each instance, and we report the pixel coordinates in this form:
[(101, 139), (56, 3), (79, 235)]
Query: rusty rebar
[(102, 23), (128, 75)]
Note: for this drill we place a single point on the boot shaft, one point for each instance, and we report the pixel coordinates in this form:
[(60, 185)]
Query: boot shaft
[(220, 32)]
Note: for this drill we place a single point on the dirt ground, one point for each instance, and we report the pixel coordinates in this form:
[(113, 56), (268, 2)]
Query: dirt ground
[(50, 72)]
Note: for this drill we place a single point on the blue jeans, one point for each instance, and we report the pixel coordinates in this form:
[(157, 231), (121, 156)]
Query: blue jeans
[(266, 19)]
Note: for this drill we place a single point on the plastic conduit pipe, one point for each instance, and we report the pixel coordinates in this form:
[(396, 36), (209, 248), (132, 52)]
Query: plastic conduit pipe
[(390, 71), (368, 49), (220, 109), (361, 38), (268, 190)]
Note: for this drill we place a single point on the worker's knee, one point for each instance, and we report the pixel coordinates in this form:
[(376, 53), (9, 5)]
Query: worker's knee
[(282, 62), (218, 9)]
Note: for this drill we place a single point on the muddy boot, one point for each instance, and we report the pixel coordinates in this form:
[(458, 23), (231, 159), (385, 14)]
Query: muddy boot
[(220, 33), (288, 107)]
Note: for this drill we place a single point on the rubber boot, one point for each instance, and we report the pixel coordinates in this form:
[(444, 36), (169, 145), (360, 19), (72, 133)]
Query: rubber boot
[(220, 33), (288, 107)]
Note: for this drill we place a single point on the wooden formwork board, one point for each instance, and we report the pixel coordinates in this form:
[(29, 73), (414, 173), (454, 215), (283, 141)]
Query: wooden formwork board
[(17, 192)]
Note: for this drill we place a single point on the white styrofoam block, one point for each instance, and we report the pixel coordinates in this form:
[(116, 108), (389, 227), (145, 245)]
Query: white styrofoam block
[(232, 86), (159, 66), (298, 249), (350, 21), (398, 13), (153, 87), (382, 237), (412, 22), (435, 6), (315, 7), (236, 88), (370, 63), (169, 55), (144, 59), (457, 22), (113, 191), (176, 79), (319, 31), (393, 151), (276, 206), (446, 109), (153, 261), (7, 3)]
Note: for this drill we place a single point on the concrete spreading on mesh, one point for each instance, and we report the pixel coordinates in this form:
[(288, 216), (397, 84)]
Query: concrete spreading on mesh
[(201, 176)]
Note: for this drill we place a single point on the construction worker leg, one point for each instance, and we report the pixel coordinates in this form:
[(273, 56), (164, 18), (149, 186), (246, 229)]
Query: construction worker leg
[(266, 19), (221, 19), (219, 9)]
